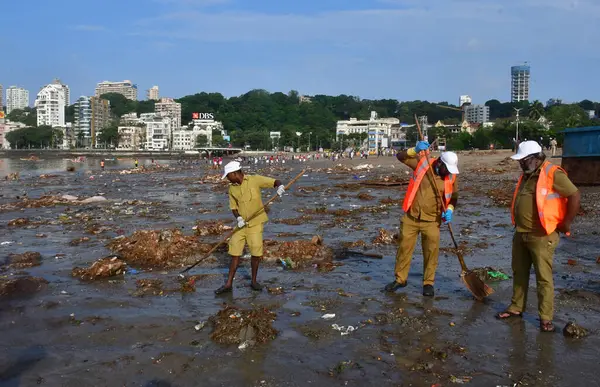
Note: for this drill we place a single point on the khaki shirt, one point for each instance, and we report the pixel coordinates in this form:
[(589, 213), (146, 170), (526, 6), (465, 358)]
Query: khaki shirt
[(246, 197), (426, 206), (526, 213)]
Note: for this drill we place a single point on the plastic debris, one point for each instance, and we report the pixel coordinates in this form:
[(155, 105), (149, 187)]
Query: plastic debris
[(328, 316), (102, 268), (343, 330)]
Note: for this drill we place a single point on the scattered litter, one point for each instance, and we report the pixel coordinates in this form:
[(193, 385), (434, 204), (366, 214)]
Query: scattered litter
[(490, 274), (21, 286), (343, 330), (22, 261), (102, 268), (328, 316), (200, 325), (574, 330), (460, 379), (385, 237), (236, 326)]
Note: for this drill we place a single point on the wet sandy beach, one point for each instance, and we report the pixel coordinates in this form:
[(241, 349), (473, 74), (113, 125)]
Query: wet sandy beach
[(70, 332)]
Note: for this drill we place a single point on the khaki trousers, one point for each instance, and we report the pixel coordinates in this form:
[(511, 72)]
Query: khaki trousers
[(410, 228), (528, 249)]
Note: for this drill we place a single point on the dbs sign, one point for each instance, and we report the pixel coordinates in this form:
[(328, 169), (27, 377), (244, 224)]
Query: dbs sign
[(203, 116)]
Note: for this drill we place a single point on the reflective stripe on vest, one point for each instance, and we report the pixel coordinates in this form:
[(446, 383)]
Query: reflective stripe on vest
[(551, 207), (415, 181)]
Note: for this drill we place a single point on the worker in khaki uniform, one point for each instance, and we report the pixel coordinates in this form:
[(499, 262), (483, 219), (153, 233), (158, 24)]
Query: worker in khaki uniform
[(423, 212), (545, 202), (245, 200)]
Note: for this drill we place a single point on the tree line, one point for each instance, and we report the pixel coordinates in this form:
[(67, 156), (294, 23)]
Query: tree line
[(250, 117)]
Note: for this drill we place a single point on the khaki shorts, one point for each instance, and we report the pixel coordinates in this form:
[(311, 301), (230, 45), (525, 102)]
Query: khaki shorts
[(252, 235)]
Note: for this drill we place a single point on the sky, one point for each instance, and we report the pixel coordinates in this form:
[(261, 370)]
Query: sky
[(432, 50)]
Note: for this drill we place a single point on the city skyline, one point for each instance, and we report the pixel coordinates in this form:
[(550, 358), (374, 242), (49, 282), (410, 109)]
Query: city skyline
[(403, 50)]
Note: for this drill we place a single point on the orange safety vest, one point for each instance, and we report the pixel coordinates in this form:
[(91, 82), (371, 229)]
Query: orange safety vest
[(415, 182), (551, 207)]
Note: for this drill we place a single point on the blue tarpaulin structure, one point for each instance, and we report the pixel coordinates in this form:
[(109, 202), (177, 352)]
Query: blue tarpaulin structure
[(581, 154)]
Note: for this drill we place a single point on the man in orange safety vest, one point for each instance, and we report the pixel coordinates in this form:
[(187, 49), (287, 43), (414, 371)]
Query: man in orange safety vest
[(423, 212), (544, 203)]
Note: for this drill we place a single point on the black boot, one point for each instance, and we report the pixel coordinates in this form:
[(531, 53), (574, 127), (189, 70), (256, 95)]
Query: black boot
[(393, 286), (428, 291)]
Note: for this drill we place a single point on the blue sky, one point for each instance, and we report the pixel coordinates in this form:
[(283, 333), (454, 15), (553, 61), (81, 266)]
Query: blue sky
[(405, 49)]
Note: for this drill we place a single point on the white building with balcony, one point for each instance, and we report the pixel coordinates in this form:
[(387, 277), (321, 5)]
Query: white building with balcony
[(167, 107), (50, 104), (379, 130)]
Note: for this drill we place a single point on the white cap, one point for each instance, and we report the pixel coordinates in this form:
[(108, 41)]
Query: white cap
[(451, 161), (527, 148), (231, 166)]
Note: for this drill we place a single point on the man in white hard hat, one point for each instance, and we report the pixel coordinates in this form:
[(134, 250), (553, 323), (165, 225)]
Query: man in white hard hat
[(244, 201), (424, 213), (545, 203)]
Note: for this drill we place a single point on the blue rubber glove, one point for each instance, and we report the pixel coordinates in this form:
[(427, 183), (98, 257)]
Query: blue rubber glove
[(421, 146), (447, 216)]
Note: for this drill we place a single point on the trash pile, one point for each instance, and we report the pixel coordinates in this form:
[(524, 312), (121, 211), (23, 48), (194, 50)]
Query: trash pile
[(102, 268), (501, 197), (145, 169), (158, 248), (300, 252), (232, 325), (205, 228), (574, 330), (22, 261), (19, 222), (155, 287), (50, 201), (365, 196), (21, 286), (385, 237), (295, 221)]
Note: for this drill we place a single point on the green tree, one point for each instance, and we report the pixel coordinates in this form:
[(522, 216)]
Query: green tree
[(202, 140), (536, 111), (217, 139), (27, 116), (35, 137), (108, 136), (119, 104)]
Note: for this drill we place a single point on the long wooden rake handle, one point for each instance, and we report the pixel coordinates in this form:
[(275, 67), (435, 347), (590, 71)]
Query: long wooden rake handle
[(230, 234)]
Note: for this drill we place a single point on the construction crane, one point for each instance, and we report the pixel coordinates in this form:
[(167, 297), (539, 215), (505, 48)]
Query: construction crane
[(457, 109)]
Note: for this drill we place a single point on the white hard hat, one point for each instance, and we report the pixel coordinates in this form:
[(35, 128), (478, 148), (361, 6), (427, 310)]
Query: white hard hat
[(231, 166), (527, 148), (450, 159)]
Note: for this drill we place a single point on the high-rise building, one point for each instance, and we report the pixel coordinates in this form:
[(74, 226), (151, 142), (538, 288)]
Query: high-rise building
[(519, 85), (92, 115), (152, 93), (65, 89), (464, 100), (125, 88), (16, 98), (1, 98), (477, 113), (50, 104), (167, 107)]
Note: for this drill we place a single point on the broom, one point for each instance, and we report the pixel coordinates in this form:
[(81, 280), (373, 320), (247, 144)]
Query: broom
[(230, 234), (472, 281)]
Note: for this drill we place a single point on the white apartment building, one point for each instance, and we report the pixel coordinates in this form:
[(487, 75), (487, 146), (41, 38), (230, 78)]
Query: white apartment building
[(519, 83), (125, 88), (378, 130), (167, 107), (65, 89), (50, 104), (158, 131), (152, 93), (185, 139), (16, 98)]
